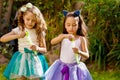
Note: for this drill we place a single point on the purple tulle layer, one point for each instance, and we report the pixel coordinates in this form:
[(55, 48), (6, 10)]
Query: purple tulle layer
[(62, 71)]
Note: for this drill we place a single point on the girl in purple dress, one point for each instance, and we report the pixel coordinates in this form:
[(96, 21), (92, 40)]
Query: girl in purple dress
[(73, 49)]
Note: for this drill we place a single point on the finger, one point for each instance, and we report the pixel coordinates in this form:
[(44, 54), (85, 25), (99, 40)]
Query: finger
[(32, 46)]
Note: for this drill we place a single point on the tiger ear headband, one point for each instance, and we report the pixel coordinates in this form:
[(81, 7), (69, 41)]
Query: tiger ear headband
[(76, 13)]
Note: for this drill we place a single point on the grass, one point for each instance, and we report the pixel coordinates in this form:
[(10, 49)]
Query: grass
[(97, 75), (105, 75), (2, 67)]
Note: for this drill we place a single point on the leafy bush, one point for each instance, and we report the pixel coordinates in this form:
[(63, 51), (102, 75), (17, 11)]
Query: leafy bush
[(6, 49), (103, 19)]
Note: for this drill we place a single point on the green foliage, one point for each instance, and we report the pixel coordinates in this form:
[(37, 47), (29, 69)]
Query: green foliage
[(97, 52), (105, 75), (2, 67), (6, 49), (103, 19), (114, 56)]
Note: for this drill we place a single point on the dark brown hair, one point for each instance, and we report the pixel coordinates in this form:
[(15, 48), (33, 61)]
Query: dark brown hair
[(82, 29)]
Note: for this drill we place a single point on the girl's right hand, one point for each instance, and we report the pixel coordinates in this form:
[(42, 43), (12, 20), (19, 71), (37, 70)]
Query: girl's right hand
[(21, 34), (70, 37)]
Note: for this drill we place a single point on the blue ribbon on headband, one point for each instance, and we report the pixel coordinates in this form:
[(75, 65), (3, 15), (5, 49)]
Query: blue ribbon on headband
[(65, 12), (76, 13)]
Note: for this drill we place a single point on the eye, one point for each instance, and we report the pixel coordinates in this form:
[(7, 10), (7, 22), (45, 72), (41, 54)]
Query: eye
[(27, 19), (74, 25), (33, 20), (68, 25)]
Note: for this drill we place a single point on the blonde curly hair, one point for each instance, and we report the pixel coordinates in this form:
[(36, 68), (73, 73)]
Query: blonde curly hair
[(40, 25)]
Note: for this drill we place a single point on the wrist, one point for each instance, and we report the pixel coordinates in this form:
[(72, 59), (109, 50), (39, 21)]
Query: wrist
[(62, 36), (42, 50), (37, 49), (65, 35), (79, 51), (18, 36)]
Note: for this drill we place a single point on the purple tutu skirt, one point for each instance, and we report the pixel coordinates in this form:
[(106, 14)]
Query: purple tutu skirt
[(62, 71)]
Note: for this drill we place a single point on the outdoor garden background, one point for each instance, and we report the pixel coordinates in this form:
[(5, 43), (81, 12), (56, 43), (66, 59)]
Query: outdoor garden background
[(102, 18)]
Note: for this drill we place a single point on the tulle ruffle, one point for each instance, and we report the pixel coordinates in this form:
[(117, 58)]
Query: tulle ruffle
[(60, 71), (26, 64)]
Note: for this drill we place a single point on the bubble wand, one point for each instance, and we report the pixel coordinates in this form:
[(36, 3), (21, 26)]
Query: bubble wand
[(35, 53), (76, 55), (30, 41)]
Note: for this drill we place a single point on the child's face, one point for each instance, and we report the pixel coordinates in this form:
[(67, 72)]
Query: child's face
[(29, 20), (71, 25)]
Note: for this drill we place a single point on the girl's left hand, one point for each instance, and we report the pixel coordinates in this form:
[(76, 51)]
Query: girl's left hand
[(34, 47), (75, 50)]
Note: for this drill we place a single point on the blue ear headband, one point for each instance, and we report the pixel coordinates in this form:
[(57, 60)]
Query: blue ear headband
[(65, 12), (76, 13)]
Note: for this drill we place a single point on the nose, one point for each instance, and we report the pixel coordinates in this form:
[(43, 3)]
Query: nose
[(71, 28), (30, 21)]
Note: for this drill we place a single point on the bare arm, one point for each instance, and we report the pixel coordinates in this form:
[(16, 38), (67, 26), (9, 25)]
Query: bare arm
[(38, 49), (9, 36), (58, 39), (42, 49), (84, 52)]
